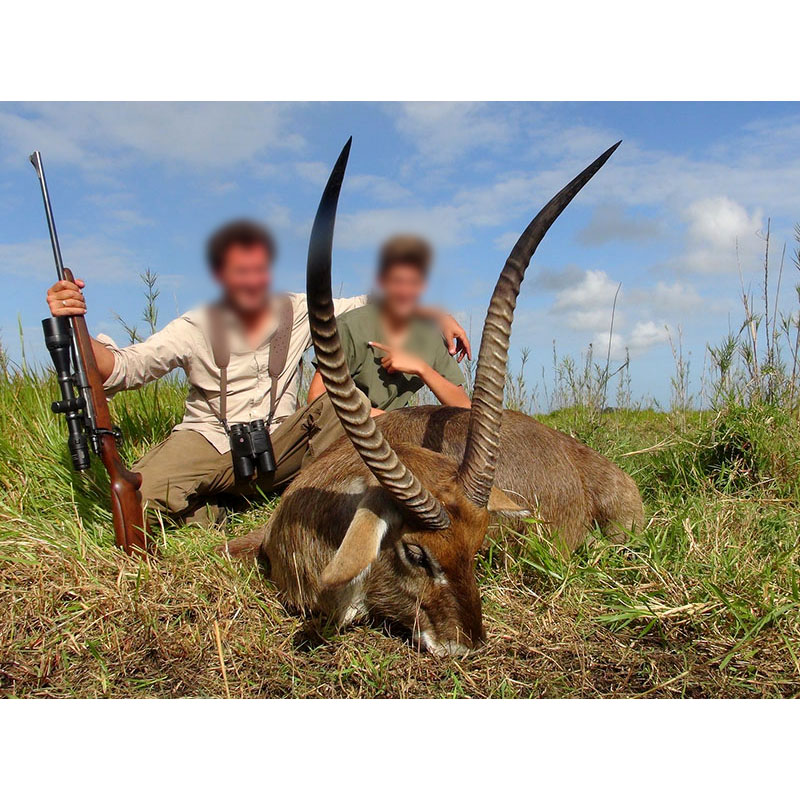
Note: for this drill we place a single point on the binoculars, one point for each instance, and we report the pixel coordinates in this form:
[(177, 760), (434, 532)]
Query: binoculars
[(251, 450)]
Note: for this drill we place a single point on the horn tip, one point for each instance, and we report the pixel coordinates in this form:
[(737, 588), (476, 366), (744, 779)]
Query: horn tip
[(344, 157), (601, 160)]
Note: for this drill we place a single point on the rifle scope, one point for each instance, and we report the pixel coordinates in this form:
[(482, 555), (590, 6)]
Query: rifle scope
[(58, 339)]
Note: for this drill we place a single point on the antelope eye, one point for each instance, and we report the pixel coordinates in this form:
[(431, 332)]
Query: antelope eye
[(415, 555)]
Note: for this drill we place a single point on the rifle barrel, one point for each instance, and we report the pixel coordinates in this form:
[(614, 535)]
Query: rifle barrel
[(36, 160), (83, 382)]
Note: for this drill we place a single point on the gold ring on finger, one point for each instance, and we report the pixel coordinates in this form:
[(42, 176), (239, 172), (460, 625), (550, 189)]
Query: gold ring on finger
[(64, 302)]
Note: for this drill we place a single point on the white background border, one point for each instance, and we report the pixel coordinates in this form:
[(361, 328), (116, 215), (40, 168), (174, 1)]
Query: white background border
[(431, 49), (387, 51)]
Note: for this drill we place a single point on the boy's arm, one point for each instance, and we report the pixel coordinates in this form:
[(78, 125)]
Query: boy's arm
[(455, 337), (317, 388), (447, 392)]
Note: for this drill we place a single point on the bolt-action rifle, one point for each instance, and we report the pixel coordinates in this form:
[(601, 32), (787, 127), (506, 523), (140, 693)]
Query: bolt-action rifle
[(84, 405)]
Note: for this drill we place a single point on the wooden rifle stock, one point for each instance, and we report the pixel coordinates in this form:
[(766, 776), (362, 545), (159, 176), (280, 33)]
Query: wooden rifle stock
[(130, 528)]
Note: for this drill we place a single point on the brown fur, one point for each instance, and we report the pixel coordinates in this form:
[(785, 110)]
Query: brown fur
[(564, 483)]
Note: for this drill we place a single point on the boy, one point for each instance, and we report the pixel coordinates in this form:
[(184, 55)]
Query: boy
[(391, 351)]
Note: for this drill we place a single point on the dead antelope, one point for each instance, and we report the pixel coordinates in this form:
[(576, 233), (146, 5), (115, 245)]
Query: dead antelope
[(388, 521)]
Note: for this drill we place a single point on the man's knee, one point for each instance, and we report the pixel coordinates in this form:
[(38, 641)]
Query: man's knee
[(180, 470), (164, 493)]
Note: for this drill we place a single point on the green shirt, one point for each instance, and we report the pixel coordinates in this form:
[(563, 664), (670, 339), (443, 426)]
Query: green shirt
[(384, 390)]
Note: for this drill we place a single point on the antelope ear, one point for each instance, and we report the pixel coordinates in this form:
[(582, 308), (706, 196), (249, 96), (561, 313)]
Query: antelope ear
[(501, 503), (361, 543)]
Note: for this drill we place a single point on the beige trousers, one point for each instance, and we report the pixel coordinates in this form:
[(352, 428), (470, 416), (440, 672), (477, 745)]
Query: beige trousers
[(184, 475)]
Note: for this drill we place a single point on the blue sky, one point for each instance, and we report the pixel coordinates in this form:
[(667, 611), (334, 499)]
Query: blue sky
[(140, 185)]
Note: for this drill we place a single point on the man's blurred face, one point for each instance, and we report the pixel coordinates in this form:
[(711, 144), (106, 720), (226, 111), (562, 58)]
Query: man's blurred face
[(246, 277), (402, 287)]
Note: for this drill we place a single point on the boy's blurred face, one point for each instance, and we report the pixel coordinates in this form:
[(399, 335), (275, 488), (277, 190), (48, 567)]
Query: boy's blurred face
[(246, 278), (402, 287)]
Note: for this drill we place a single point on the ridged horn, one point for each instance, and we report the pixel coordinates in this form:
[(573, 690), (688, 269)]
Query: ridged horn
[(483, 435), (350, 405)]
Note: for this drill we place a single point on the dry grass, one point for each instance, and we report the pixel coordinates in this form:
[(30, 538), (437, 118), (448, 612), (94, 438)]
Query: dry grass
[(704, 603)]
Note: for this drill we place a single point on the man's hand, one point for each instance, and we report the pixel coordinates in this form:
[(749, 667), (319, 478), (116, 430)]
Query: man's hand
[(66, 299), (397, 360), (455, 337)]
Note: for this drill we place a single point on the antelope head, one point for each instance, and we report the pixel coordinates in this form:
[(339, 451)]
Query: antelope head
[(421, 521)]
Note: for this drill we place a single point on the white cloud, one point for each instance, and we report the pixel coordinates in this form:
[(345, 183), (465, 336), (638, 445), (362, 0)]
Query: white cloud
[(95, 258), (680, 296), (442, 132), (611, 222), (222, 187), (505, 241), (376, 187), (600, 346), (441, 224), (381, 189), (313, 171), (130, 218), (716, 227), (507, 197), (646, 334), (642, 337), (98, 136), (280, 216), (455, 223), (587, 304), (719, 221)]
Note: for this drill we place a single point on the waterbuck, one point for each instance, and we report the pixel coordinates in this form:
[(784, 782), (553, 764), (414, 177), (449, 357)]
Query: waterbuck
[(387, 522)]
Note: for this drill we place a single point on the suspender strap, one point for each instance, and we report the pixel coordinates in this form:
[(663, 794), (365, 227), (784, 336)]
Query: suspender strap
[(278, 353), (220, 349), (279, 350)]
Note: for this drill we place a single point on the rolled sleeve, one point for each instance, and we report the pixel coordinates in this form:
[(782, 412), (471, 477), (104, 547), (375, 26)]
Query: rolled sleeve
[(146, 361), (341, 305), (113, 383)]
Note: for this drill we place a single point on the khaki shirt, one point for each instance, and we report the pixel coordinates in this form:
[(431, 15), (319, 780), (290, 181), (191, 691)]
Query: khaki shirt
[(185, 342)]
